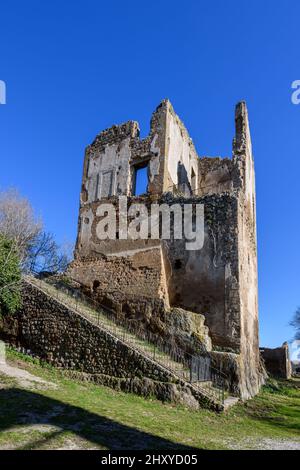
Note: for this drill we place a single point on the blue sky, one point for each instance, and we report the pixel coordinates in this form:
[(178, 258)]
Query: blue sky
[(74, 68)]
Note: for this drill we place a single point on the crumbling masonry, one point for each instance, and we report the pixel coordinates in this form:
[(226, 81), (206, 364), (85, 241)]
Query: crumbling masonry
[(199, 300)]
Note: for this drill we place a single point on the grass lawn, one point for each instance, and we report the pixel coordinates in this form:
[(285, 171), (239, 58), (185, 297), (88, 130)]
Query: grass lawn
[(77, 415)]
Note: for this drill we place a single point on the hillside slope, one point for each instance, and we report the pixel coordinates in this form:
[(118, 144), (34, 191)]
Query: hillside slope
[(77, 415)]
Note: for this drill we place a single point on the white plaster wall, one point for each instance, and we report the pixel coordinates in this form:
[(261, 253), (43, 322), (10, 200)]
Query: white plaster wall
[(180, 150), (86, 219), (115, 161), (249, 178), (154, 165)]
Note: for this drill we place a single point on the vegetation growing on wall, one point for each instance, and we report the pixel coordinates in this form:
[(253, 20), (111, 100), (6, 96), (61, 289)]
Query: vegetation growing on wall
[(10, 276)]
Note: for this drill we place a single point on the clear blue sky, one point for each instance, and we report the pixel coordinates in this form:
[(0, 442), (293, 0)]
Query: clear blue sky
[(73, 68)]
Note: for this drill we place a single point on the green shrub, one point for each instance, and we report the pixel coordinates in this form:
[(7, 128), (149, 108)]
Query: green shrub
[(10, 277)]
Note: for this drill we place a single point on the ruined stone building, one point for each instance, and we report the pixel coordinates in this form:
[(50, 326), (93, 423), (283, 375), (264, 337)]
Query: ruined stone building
[(201, 300), (277, 361)]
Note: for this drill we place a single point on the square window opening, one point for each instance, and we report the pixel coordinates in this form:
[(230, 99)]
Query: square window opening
[(141, 180)]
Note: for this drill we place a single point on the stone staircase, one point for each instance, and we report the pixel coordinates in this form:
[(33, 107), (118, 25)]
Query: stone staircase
[(101, 318)]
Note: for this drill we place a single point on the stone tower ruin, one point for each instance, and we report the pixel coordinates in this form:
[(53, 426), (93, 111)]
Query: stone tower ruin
[(203, 300)]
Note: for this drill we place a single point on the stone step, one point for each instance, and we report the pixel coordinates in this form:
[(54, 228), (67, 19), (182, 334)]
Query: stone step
[(204, 383), (208, 388), (229, 402)]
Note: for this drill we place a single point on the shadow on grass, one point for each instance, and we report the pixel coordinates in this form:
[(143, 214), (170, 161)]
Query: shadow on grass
[(282, 412), (288, 419), (23, 407)]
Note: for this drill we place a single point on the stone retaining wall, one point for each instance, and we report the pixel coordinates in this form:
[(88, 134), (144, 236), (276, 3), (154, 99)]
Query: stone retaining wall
[(66, 340)]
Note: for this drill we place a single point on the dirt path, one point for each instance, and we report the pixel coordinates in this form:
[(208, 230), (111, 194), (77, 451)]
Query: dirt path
[(24, 378), (265, 444)]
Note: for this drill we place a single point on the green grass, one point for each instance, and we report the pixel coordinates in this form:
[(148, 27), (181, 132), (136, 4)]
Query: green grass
[(83, 415)]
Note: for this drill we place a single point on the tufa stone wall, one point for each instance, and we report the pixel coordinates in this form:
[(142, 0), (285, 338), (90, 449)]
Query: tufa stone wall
[(277, 361), (67, 340)]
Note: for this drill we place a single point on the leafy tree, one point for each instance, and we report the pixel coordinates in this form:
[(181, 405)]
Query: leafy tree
[(296, 323), (10, 276)]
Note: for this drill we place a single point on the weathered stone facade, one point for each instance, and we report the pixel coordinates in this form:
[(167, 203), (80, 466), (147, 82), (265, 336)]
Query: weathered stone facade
[(145, 280), (277, 361)]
